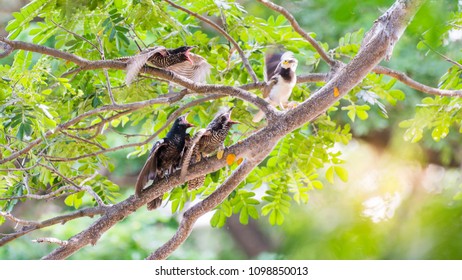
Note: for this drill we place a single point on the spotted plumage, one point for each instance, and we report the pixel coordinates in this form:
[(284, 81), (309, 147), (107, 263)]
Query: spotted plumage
[(164, 157), (280, 83), (205, 142)]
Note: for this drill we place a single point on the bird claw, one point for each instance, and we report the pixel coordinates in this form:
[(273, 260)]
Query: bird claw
[(292, 104)]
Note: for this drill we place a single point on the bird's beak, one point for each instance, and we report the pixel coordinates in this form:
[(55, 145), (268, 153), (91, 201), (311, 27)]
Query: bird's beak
[(185, 122), (187, 54), (229, 116), (233, 122)]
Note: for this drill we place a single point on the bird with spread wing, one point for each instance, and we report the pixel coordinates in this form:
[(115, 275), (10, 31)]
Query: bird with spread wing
[(280, 81), (180, 61)]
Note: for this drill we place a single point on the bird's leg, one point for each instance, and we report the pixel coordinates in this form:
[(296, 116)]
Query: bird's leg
[(282, 106), (292, 104)]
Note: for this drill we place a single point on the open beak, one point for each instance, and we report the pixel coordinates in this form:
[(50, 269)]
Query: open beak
[(229, 117), (185, 122), (188, 57), (233, 122)]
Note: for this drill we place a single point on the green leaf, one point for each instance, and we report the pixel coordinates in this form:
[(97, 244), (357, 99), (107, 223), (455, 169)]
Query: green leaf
[(330, 174), (342, 173), (398, 94), (74, 200), (244, 216)]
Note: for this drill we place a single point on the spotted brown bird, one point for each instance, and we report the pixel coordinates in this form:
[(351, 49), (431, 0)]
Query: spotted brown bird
[(180, 60), (205, 142), (280, 83), (164, 158)]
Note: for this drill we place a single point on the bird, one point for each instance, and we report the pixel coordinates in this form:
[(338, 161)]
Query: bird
[(164, 158), (280, 81), (205, 142), (179, 60)]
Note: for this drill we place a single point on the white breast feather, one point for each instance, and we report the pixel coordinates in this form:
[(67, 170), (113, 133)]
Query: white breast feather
[(281, 91)]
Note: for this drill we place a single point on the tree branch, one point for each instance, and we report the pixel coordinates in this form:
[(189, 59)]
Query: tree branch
[(50, 240), (203, 207), (222, 32), (300, 30), (88, 212), (170, 119), (414, 84)]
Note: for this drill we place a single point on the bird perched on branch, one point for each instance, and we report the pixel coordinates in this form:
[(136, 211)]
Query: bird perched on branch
[(164, 158), (205, 142), (180, 60), (281, 79)]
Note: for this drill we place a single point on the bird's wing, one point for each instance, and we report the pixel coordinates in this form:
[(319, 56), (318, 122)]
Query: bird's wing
[(197, 71), (272, 63), (190, 150), (150, 167), (269, 86), (135, 63)]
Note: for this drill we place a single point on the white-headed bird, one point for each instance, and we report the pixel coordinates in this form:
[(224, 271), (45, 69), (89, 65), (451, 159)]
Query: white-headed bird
[(280, 81)]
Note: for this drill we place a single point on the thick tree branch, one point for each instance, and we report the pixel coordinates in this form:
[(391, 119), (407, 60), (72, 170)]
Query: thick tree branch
[(203, 207), (222, 32)]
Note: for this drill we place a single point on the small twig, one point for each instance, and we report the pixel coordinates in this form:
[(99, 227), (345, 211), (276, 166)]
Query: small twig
[(18, 221), (442, 55), (222, 32), (103, 121), (76, 35), (136, 35), (414, 84), (83, 140), (88, 189), (50, 240), (53, 194), (300, 30), (88, 212), (108, 81), (170, 119), (127, 135)]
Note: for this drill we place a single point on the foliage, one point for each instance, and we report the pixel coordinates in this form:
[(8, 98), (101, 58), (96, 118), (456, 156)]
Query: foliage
[(37, 96)]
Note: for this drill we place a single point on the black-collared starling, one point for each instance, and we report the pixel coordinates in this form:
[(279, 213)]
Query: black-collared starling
[(205, 142), (179, 60), (164, 157), (280, 82)]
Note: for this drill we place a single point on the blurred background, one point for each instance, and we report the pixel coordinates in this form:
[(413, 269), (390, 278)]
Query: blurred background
[(401, 201)]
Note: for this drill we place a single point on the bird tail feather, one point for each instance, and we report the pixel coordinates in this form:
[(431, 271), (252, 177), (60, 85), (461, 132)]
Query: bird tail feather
[(259, 116), (155, 203), (192, 148)]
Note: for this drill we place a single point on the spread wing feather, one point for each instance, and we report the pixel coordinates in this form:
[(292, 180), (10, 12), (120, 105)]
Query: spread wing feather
[(137, 62), (269, 86), (197, 71)]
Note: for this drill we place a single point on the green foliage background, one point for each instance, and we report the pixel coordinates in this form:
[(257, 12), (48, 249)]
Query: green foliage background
[(316, 162)]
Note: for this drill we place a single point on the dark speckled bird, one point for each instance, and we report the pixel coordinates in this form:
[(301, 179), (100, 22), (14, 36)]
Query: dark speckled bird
[(164, 158), (179, 60), (205, 142)]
